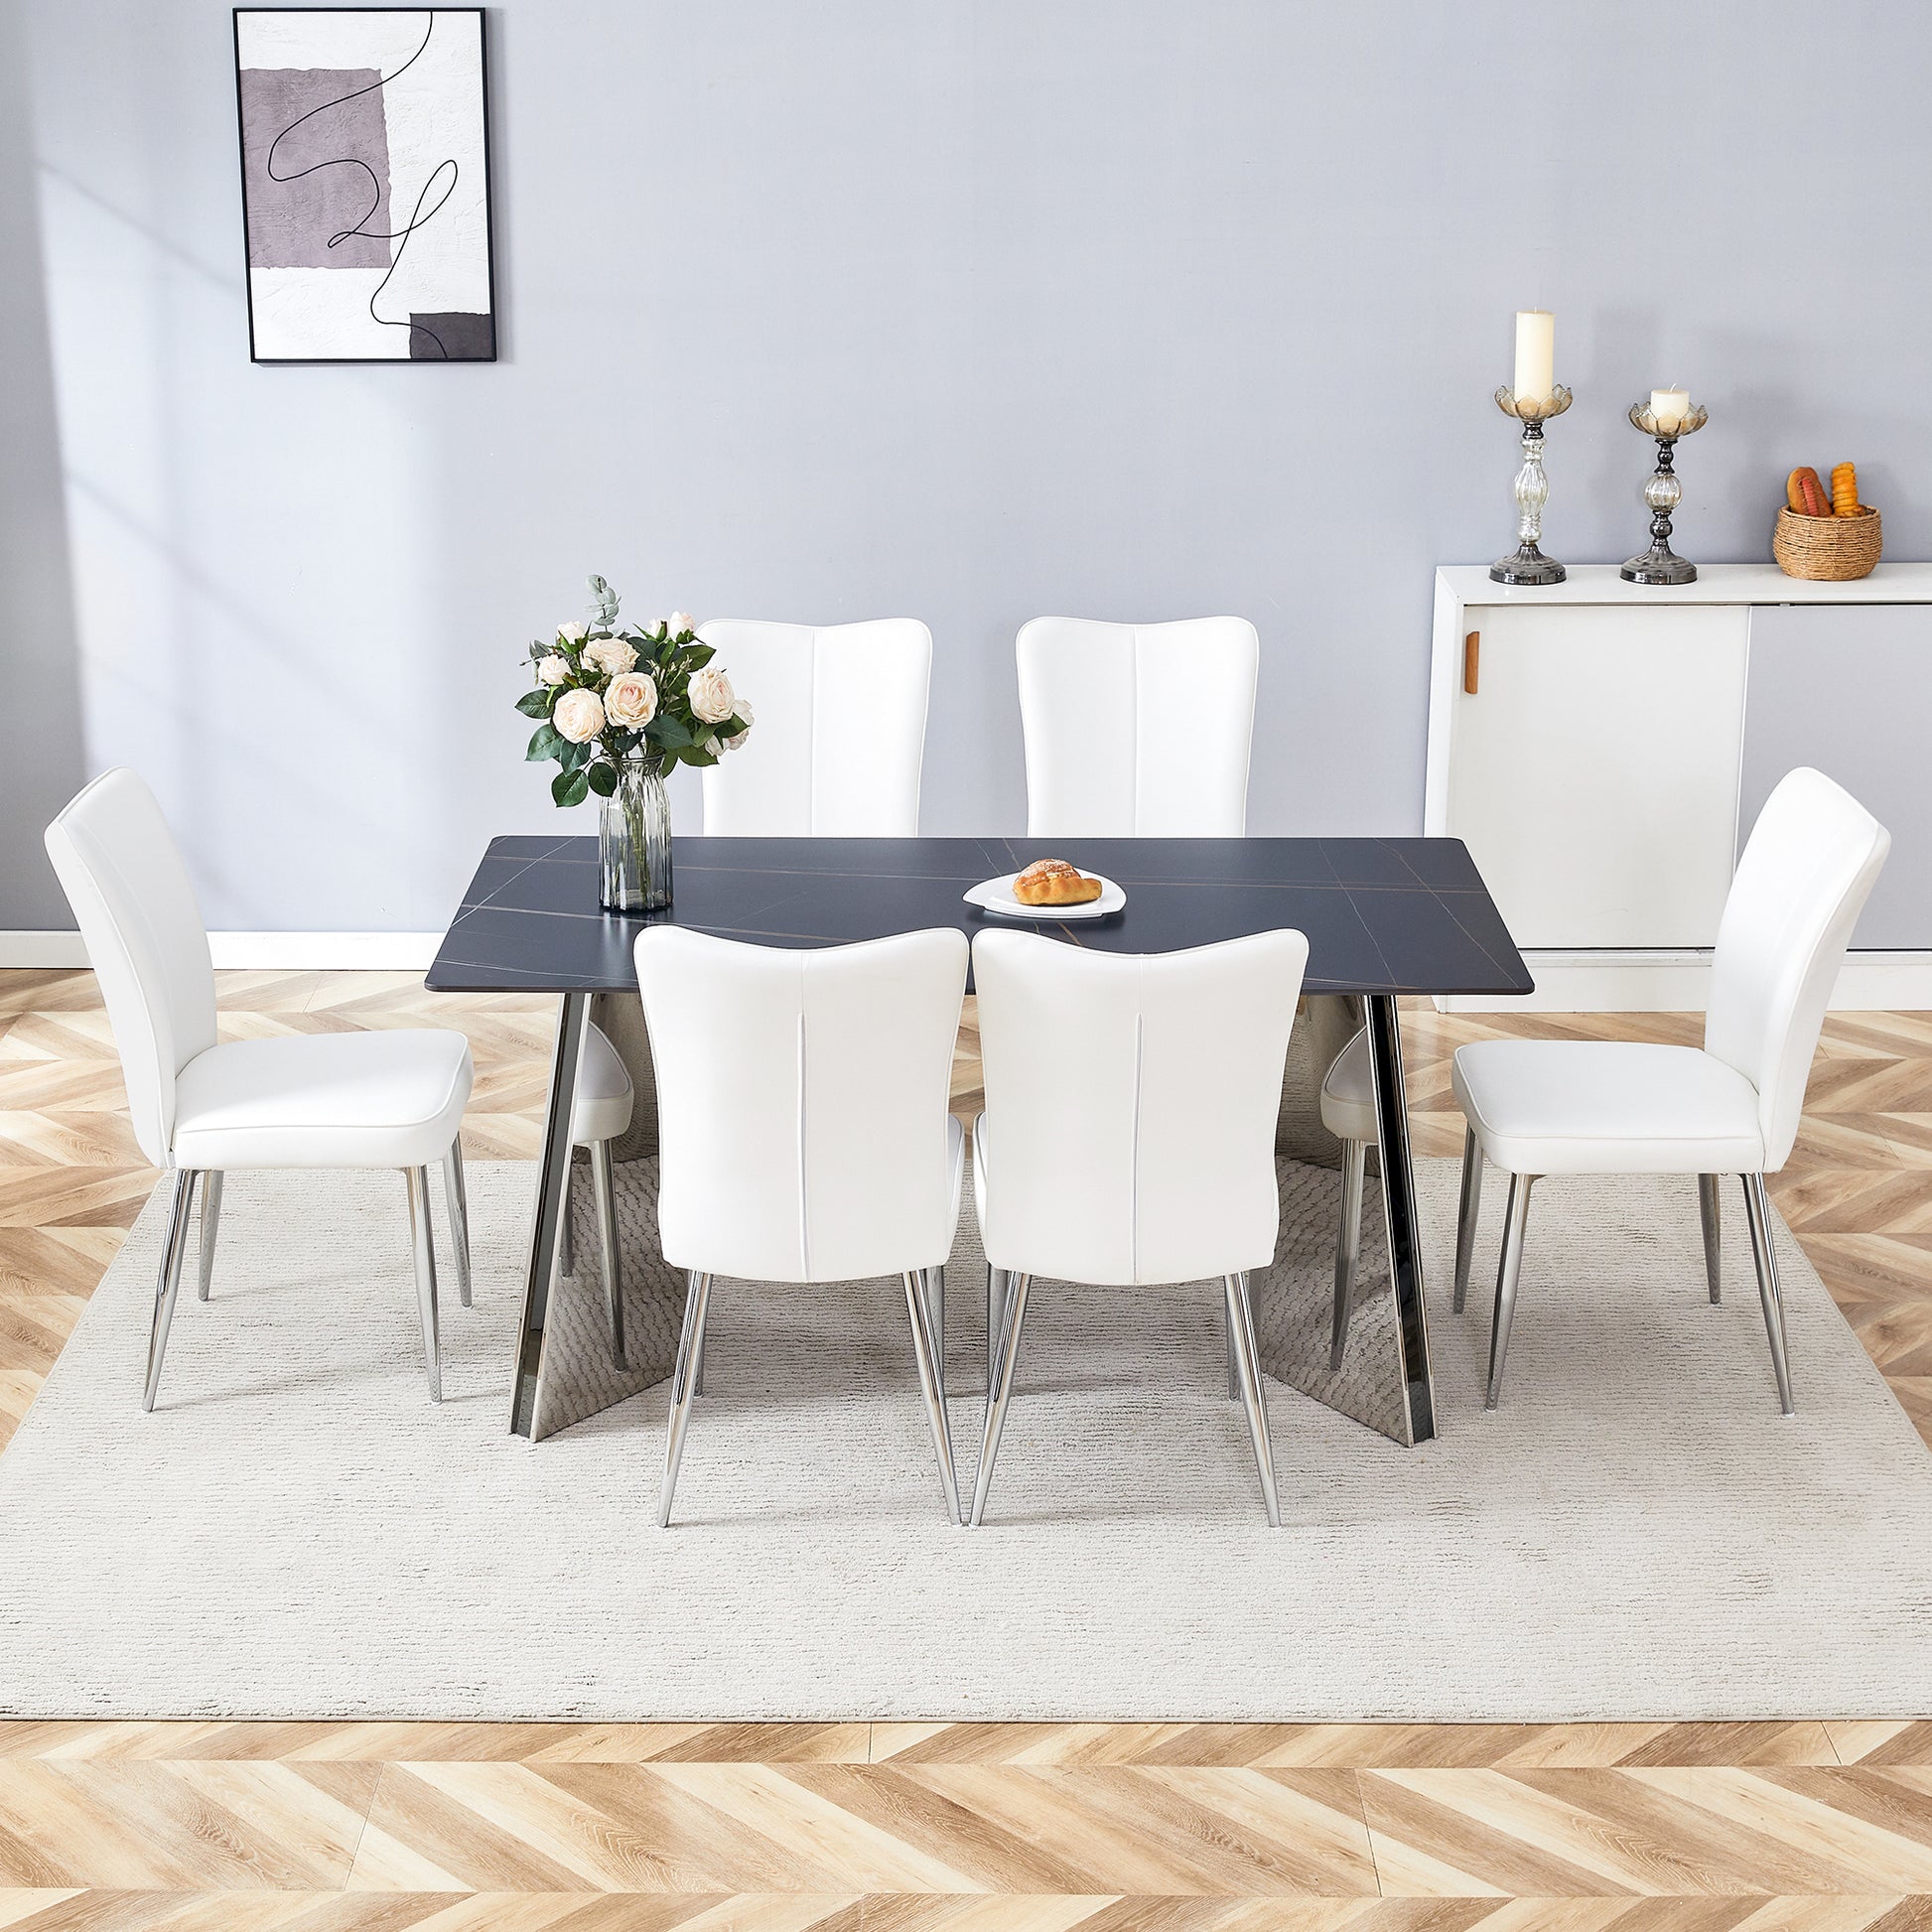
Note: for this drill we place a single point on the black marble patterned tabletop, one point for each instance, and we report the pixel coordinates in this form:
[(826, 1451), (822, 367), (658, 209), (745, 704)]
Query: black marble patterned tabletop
[(1382, 916)]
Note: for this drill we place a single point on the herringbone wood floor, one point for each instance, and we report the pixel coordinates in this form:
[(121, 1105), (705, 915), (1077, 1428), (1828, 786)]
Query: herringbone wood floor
[(967, 1826)]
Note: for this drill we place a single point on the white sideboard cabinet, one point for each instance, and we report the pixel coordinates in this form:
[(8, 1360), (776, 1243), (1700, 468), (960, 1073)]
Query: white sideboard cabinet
[(1602, 748)]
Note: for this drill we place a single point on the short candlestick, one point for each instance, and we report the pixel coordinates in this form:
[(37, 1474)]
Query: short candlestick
[(1659, 564)]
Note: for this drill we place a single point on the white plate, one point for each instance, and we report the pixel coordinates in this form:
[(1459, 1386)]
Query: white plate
[(996, 895)]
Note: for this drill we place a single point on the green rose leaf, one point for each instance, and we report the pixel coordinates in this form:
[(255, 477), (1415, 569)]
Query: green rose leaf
[(572, 755), (603, 778), (546, 743), (536, 704), (698, 655), (669, 732), (569, 787)]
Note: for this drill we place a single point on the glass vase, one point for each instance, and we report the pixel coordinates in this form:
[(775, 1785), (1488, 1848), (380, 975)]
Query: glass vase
[(633, 840)]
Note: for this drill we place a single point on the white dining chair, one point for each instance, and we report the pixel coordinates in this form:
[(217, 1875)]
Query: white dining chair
[(600, 1113), (1540, 1107), (1098, 706), (202, 1105), (802, 1099), (1128, 1139), (839, 739)]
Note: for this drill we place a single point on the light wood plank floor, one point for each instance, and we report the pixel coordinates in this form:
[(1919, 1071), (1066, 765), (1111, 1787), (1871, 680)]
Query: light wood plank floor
[(965, 1827)]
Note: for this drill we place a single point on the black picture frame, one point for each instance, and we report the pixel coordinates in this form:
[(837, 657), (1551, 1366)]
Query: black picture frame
[(489, 198)]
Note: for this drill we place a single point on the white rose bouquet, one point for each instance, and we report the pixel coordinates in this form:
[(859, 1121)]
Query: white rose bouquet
[(606, 692)]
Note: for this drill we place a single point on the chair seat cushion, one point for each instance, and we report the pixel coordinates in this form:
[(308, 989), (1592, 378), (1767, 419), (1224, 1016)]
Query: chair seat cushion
[(1348, 1093), (601, 1110), (323, 1100), (1577, 1106)]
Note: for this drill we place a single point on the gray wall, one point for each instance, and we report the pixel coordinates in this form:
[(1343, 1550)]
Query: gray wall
[(967, 309)]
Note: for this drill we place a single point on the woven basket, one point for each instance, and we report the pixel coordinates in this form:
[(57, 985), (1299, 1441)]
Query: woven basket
[(1827, 549)]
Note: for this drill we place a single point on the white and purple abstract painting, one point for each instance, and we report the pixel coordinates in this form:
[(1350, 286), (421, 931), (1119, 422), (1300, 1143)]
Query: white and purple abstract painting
[(366, 183)]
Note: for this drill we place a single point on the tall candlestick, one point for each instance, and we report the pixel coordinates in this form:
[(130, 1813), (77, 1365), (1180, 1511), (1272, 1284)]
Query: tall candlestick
[(1536, 354)]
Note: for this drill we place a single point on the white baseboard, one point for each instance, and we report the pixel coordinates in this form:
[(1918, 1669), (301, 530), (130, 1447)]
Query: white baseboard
[(286, 952), (1611, 981)]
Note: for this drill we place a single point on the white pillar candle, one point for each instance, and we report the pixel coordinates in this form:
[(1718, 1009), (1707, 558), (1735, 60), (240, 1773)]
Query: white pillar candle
[(1668, 408), (1536, 355)]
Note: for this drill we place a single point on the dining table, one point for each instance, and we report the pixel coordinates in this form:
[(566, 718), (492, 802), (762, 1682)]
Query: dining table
[(1384, 917)]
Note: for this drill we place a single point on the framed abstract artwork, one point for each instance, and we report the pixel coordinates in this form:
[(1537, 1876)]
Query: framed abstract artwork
[(366, 183)]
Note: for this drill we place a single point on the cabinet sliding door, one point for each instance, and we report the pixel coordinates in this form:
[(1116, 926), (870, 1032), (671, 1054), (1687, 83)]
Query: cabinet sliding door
[(1848, 689), (1594, 770)]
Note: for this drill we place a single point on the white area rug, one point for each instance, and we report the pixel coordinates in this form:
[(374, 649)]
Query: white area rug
[(295, 1531)]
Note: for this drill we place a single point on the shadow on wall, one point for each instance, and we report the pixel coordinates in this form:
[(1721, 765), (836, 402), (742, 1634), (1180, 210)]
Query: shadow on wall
[(45, 760)]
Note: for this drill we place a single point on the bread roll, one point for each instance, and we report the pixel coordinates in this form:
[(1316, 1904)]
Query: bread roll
[(1053, 881)]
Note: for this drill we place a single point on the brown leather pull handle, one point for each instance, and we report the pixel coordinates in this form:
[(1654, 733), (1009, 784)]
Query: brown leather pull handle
[(1471, 658)]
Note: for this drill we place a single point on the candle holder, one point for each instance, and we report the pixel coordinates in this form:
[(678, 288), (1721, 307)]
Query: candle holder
[(1528, 564), (1659, 564)]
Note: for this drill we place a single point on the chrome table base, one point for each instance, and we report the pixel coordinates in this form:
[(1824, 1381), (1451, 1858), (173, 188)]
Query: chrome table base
[(1385, 1383)]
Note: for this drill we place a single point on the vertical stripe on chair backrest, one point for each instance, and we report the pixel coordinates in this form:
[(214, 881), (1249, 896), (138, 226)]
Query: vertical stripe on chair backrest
[(802, 1102), (1131, 1103), (838, 741), (123, 875), (1805, 874), (1098, 704)]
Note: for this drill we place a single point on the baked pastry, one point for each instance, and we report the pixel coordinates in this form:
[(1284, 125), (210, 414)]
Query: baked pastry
[(1845, 489), (1053, 881), (1806, 494)]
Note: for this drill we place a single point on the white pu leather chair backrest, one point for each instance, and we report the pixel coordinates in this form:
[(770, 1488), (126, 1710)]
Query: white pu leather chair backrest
[(801, 1100), (839, 736), (1806, 871), (123, 876), (1099, 705), (1129, 1134)]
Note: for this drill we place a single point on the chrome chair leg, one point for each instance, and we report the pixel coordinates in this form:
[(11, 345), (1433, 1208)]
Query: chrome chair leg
[(457, 1195), (1227, 1345), (425, 1246), (211, 1224), (1466, 1215), (998, 1285), (604, 1182), (1515, 1221), (1710, 1213), (697, 1303), (1000, 1391), (1757, 1210), (173, 1251), (934, 1286), (1241, 1324), (926, 1316), (1349, 1244)]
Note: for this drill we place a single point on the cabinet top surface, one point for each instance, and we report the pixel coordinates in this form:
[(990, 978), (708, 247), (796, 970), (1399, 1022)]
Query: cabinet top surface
[(1716, 584)]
